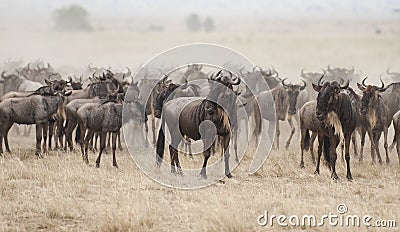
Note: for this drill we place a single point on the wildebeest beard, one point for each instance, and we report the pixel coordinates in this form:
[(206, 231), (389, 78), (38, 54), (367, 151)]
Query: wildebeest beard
[(220, 107)]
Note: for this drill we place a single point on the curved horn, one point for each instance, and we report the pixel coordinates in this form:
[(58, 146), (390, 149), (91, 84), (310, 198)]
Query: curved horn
[(351, 68), (53, 74), (329, 67), (236, 81), (283, 82), (320, 79), (200, 67), (390, 73), (383, 85), (69, 79), (304, 85), (323, 71), (48, 65), (302, 72), (90, 67), (363, 81), (240, 71), (129, 71), (29, 66), (3, 75)]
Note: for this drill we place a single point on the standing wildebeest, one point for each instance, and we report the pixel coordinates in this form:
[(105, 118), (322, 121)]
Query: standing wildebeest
[(35, 109), (396, 139), (376, 112), (193, 111), (100, 118), (337, 121)]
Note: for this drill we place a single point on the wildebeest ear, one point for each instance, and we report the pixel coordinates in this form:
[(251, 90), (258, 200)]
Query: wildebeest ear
[(362, 88), (316, 87)]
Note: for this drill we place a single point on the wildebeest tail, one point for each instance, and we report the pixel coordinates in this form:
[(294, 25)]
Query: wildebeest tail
[(327, 145), (161, 142), (307, 140)]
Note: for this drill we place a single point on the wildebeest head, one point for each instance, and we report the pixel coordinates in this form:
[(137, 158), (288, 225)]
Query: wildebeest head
[(370, 95), (194, 72), (161, 97), (311, 77), (394, 75), (221, 101), (75, 85), (293, 92), (327, 95)]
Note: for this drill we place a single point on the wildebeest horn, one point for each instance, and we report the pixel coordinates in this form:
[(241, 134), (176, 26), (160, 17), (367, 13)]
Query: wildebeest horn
[(29, 66), (363, 81), (69, 79), (329, 67), (48, 65), (323, 71), (320, 79), (89, 66), (18, 72), (53, 74), (345, 85), (302, 72), (200, 67), (390, 73), (383, 85), (304, 85), (129, 71), (3, 75), (351, 68), (236, 81), (283, 82)]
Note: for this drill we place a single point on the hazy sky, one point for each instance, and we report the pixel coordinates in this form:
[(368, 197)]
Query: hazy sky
[(219, 8)]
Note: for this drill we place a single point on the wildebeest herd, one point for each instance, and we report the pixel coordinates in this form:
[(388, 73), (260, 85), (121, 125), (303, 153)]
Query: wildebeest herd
[(336, 106)]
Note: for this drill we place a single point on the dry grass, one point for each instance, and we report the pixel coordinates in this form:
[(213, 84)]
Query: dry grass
[(59, 192)]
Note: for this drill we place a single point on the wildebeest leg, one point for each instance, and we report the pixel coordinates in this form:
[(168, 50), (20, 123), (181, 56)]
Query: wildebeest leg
[(147, 132), (292, 131), (114, 147), (68, 134), (6, 130), (39, 131), (45, 130), (347, 155), (203, 172), (320, 144), (362, 138), (303, 132), (119, 140), (225, 146), (377, 136), (333, 156), (373, 147), (398, 146), (107, 148), (313, 136), (27, 130), (60, 133), (51, 132), (103, 136), (235, 135), (277, 133), (85, 145), (354, 141), (385, 144)]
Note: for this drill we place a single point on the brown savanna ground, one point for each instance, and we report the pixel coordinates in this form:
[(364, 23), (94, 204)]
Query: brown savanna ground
[(59, 192)]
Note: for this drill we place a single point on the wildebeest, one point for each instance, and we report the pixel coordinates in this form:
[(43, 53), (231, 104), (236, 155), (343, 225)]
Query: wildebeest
[(193, 72), (13, 82), (100, 118), (308, 122), (396, 139), (193, 111), (36, 109), (376, 112), (337, 121)]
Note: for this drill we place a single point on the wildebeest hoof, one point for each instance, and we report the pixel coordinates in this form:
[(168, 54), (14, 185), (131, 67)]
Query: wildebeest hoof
[(180, 172), (115, 165), (316, 172), (335, 176), (229, 175), (349, 178), (97, 165), (301, 166), (203, 175), (387, 161)]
